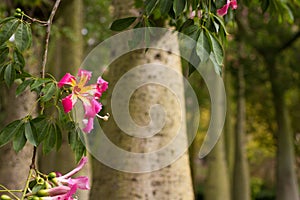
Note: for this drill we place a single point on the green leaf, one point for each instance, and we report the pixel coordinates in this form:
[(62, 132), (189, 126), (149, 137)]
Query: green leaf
[(37, 188), (43, 131), (31, 134), (264, 5), (50, 140), (3, 54), (203, 47), (186, 24), (165, 6), (2, 21), (21, 88), (39, 82), (194, 61), (48, 91), (18, 59), (8, 29), (58, 137), (217, 67), (178, 6), (41, 125), (122, 24), (9, 74), (217, 49), (192, 31), (221, 23), (19, 139), (23, 36), (9, 131), (150, 6), (80, 148), (72, 138)]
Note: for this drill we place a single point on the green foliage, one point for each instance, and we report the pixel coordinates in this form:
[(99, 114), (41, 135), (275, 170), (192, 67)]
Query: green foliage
[(122, 24)]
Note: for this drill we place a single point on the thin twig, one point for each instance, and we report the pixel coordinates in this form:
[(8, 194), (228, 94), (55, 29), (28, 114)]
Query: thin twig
[(49, 23), (44, 61)]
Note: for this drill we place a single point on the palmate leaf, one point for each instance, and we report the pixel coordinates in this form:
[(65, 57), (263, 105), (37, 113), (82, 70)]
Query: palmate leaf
[(122, 24), (48, 91), (150, 6), (23, 36), (50, 141), (9, 74), (9, 131), (19, 61), (165, 6), (178, 6), (30, 133), (22, 87), (19, 139), (203, 46), (3, 54), (7, 29), (217, 49)]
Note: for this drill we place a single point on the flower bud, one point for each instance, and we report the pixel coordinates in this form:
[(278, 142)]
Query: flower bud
[(40, 181), (5, 197), (51, 175)]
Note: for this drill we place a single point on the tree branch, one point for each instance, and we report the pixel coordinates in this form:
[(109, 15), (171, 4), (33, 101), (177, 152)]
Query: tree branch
[(49, 24), (289, 42)]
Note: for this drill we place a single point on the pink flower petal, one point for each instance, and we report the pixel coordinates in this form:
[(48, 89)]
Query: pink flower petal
[(102, 84), (67, 79), (82, 182), (68, 102), (89, 125), (82, 162), (233, 4), (84, 76), (223, 11)]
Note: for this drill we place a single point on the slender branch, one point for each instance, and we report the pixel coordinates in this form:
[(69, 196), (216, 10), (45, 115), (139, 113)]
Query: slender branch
[(49, 24), (44, 61), (32, 165), (27, 183), (289, 42)]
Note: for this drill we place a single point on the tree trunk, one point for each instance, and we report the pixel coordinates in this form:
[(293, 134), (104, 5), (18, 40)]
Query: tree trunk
[(14, 166), (217, 184), (286, 179), (241, 183), (229, 123), (171, 182)]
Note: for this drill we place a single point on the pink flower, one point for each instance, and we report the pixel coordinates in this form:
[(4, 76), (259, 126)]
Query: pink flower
[(230, 3), (58, 193), (87, 94), (81, 182), (65, 185)]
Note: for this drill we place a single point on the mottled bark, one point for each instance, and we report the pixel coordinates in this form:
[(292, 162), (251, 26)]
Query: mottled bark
[(241, 182), (172, 182), (14, 166)]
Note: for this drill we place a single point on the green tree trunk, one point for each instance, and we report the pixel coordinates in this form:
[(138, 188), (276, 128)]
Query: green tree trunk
[(241, 182), (286, 178), (171, 182)]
